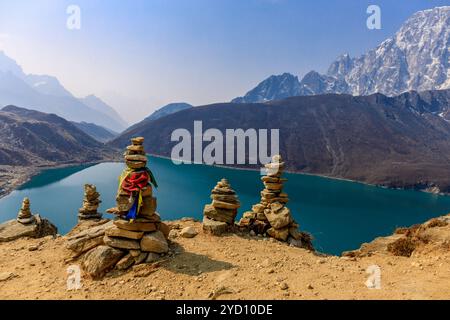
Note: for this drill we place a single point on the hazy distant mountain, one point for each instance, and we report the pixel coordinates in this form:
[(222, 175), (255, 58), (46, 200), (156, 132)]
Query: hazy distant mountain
[(99, 105), (169, 109), (99, 133), (45, 93), (29, 137), (416, 58), (47, 85), (162, 112), (401, 141)]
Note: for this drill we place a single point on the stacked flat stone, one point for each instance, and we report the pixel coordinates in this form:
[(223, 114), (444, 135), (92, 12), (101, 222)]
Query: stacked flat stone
[(25, 216), (140, 240), (221, 213), (144, 237), (91, 202), (135, 158), (271, 216)]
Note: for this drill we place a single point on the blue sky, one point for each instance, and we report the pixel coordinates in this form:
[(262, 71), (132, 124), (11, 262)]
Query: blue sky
[(138, 55)]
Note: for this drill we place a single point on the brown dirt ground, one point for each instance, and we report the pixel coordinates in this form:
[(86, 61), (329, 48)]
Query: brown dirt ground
[(230, 267)]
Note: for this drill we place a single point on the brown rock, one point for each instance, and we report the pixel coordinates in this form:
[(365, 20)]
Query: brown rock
[(280, 219), (82, 245), (101, 259), (216, 228), (224, 198), (154, 242), (249, 215), (121, 243), (152, 257), (188, 232), (165, 229), (258, 208), (225, 205), (125, 262), (279, 234), (218, 214), (122, 233), (135, 226), (137, 141), (293, 231)]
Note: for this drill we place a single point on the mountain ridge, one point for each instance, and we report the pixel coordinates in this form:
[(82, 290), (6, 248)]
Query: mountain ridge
[(401, 141), (32, 138), (416, 58)]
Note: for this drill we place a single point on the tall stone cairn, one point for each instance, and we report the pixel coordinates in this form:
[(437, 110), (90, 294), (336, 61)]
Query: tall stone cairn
[(271, 216), (144, 238), (91, 202), (25, 216), (220, 215)]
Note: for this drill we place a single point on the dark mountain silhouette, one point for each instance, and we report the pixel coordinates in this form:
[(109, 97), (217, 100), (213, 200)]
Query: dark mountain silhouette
[(401, 141)]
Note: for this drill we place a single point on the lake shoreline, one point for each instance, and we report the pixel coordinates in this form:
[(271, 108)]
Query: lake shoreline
[(14, 177), (17, 176), (428, 190)]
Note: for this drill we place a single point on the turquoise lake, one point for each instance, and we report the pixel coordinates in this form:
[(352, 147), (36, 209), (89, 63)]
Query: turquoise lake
[(340, 215)]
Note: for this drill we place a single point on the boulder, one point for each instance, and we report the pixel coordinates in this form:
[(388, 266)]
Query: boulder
[(140, 258), (213, 227), (100, 260), (225, 205), (218, 214), (121, 243), (152, 257), (154, 242), (82, 245), (12, 229), (125, 262), (279, 219), (165, 229), (122, 233), (279, 234), (135, 226), (189, 232)]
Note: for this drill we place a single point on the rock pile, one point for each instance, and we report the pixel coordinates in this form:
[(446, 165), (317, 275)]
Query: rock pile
[(91, 202), (271, 216), (137, 235), (26, 225), (25, 216), (221, 213)]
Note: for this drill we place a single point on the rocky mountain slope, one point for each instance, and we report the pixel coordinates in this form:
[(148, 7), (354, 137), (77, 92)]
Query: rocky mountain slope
[(416, 58), (399, 141), (46, 94), (99, 133), (31, 138)]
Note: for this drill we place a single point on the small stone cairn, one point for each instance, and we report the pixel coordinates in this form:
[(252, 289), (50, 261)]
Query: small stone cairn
[(91, 202), (220, 215), (25, 216), (271, 216)]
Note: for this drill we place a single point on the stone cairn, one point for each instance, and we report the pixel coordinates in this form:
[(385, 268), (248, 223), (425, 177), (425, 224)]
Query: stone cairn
[(125, 242), (271, 216), (25, 216), (220, 215), (91, 202), (146, 234)]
